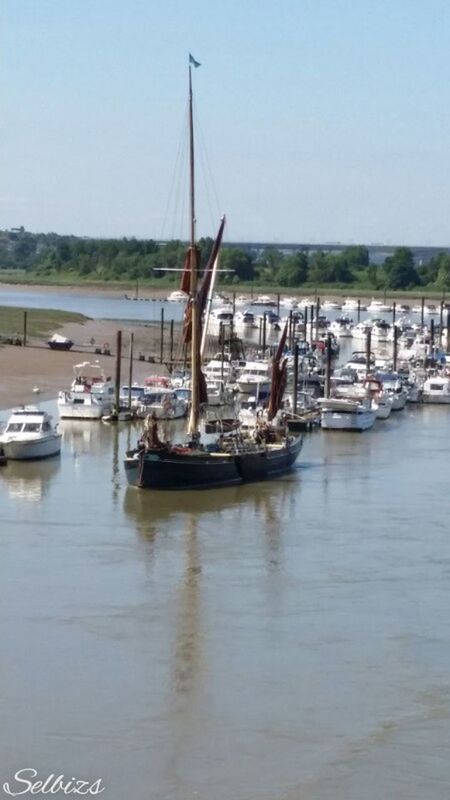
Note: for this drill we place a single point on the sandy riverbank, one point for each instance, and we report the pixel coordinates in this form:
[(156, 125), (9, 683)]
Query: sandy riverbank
[(36, 366)]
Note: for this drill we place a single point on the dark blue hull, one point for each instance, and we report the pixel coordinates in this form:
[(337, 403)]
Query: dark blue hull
[(166, 469)]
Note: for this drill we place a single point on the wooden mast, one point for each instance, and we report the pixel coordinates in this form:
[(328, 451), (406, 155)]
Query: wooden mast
[(193, 265)]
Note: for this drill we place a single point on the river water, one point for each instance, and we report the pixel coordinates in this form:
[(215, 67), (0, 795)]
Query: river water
[(274, 641)]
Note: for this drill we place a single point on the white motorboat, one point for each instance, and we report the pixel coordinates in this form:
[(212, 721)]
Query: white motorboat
[(341, 414), (342, 327), (273, 321), (218, 394), (133, 394), (177, 297), (393, 385), (163, 403), (264, 300), (255, 378), (378, 307), (30, 434), (289, 302), (245, 319), (381, 400), (361, 329), (436, 389), (331, 305), (90, 396), (380, 330), (351, 304), (222, 314)]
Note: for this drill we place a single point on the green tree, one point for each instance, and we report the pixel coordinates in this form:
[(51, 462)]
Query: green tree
[(400, 270), (294, 270), (239, 263)]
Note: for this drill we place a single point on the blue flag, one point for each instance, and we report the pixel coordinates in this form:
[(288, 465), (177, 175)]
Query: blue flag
[(193, 61)]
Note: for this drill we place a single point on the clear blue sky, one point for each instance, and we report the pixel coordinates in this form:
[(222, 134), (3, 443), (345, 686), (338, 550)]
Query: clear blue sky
[(319, 120)]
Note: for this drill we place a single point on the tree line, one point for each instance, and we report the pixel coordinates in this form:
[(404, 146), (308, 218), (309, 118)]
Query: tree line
[(51, 256)]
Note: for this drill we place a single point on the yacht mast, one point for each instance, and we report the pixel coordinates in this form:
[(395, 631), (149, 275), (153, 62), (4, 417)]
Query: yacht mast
[(193, 258)]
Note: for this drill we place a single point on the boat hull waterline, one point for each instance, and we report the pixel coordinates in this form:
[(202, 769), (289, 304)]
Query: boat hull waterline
[(33, 449), (166, 469)]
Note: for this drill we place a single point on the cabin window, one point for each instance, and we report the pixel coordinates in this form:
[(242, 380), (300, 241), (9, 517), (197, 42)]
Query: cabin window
[(436, 387), (14, 427), (32, 427)]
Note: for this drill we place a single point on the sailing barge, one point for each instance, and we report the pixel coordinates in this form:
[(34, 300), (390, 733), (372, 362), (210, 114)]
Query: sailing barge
[(232, 458)]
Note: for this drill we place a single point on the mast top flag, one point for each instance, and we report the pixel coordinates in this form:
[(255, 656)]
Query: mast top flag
[(193, 61)]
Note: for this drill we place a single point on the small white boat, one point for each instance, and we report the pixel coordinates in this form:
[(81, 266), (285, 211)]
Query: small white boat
[(222, 314), (218, 394), (394, 387), (380, 330), (245, 319), (133, 393), (351, 304), (58, 342), (289, 302), (30, 434), (331, 305), (273, 321), (255, 378), (161, 403), (264, 300), (361, 329), (378, 307), (342, 327), (340, 414), (436, 389), (177, 297)]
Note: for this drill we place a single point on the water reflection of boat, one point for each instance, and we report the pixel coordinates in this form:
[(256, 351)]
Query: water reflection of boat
[(151, 508), (81, 438), (29, 480)]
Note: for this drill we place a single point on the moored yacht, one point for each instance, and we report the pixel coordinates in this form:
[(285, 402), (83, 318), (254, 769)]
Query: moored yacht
[(351, 304), (341, 414), (378, 307), (90, 396), (436, 389), (254, 378)]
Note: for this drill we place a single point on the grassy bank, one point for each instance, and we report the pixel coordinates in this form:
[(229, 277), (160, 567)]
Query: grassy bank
[(40, 321)]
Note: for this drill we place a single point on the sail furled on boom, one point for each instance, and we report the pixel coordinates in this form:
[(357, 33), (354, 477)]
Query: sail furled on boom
[(202, 294), (279, 377), (191, 252)]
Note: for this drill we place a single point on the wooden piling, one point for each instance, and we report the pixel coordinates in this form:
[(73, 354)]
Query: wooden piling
[(171, 344), (161, 354), (328, 367), (395, 348), (294, 394), (130, 369), (368, 350), (118, 367)]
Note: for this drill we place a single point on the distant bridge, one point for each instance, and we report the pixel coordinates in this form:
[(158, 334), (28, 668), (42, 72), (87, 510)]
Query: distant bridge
[(377, 252)]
